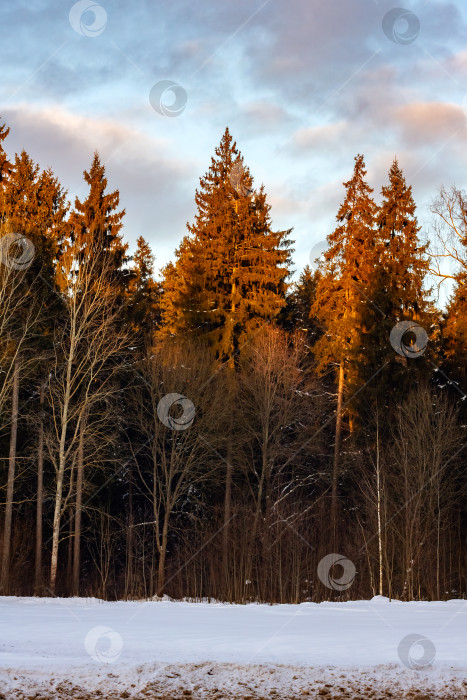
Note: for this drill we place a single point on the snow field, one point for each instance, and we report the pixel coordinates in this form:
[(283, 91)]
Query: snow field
[(215, 647)]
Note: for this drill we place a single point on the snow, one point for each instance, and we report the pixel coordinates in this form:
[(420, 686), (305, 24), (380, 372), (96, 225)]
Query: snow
[(96, 644)]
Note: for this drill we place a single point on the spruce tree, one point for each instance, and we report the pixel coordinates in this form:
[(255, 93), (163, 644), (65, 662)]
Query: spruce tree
[(397, 293), (20, 202), (96, 226), (144, 293), (35, 209), (455, 335), (454, 330), (297, 314), (344, 284), (403, 264), (230, 273), (346, 276)]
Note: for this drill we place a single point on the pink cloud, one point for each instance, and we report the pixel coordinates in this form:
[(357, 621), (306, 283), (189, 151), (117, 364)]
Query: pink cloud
[(319, 136), (429, 122)]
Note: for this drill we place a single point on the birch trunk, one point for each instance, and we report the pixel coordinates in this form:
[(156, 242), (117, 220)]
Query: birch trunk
[(40, 496), (5, 579), (78, 507)]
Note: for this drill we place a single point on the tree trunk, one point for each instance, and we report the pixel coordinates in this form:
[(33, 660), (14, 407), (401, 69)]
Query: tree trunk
[(228, 482), (56, 527), (69, 556), (438, 528), (78, 508), (61, 470), (5, 579), (227, 509), (337, 446), (129, 542), (378, 499), (262, 485), (40, 496), (162, 555)]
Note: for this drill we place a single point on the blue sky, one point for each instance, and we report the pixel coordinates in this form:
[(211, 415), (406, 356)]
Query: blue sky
[(304, 85)]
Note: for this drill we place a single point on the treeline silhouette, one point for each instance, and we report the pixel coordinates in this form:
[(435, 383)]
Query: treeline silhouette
[(226, 433)]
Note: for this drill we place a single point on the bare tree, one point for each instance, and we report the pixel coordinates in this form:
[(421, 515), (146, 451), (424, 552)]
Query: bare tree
[(89, 355), (278, 409), (427, 441), (450, 210), (178, 453)]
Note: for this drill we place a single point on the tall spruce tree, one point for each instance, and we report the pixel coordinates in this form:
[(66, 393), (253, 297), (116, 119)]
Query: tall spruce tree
[(231, 271), (397, 294), (403, 264), (35, 209), (96, 225), (343, 288), (229, 277)]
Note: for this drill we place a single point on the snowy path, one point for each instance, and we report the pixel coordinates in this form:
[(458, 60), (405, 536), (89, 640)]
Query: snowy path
[(131, 645)]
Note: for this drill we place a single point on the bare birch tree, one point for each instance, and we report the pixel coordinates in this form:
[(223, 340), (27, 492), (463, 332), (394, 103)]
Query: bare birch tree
[(89, 355)]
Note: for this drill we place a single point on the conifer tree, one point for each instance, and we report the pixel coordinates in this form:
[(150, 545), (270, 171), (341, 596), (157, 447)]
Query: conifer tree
[(296, 314), (402, 259), (96, 225), (20, 202), (397, 293), (231, 270), (455, 335), (35, 208), (230, 274), (52, 221), (143, 292), (344, 283)]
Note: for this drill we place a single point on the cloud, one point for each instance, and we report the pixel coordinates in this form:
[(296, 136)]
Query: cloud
[(318, 137), (427, 123), (457, 64), (261, 114)]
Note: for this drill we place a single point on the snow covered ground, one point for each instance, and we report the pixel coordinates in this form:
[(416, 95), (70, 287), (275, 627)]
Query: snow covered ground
[(161, 649)]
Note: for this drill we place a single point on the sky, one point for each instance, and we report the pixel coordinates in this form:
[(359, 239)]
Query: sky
[(303, 85)]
